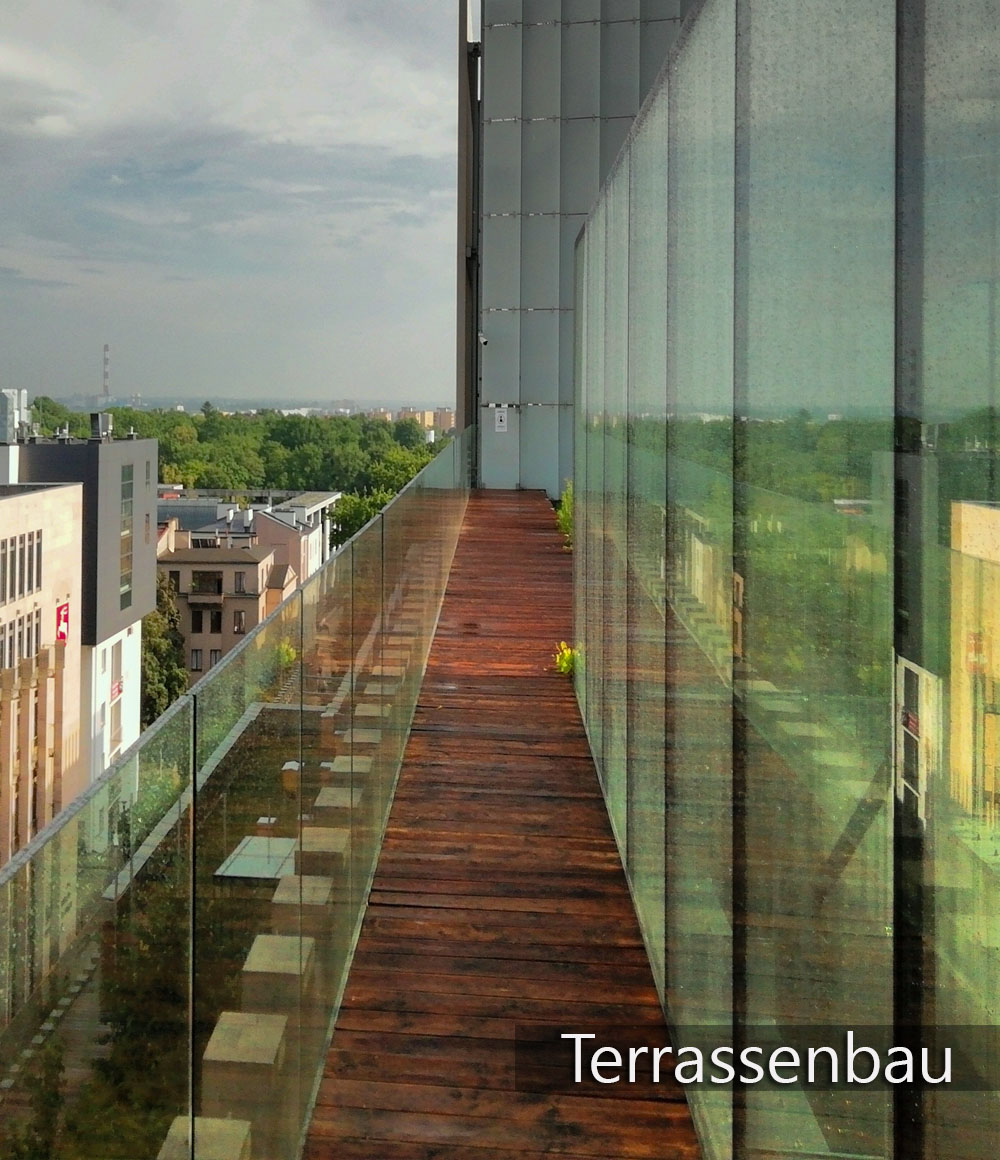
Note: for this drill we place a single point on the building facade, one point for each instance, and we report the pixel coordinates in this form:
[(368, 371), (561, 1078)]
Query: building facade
[(562, 81), (222, 593), (42, 746), (118, 572)]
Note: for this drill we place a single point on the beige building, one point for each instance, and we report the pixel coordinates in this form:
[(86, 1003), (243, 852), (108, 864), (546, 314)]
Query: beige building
[(444, 419), (424, 418), (222, 594), (42, 751)]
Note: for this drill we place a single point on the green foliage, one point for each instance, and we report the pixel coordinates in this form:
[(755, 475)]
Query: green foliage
[(353, 511), (565, 658), (164, 677), (564, 514), (36, 1138), (286, 654), (409, 434)]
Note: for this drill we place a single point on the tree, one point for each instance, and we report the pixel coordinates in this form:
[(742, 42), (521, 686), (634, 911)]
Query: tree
[(164, 677), (354, 511), (408, 433)]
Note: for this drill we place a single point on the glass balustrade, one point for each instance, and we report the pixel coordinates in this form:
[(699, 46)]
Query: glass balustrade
[(173, 946)]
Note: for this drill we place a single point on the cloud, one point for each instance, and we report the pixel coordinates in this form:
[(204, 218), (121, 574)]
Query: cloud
[(235, 177)]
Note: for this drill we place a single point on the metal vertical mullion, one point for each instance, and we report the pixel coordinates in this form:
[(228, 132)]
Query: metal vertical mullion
[(909, 916), (740, 875)]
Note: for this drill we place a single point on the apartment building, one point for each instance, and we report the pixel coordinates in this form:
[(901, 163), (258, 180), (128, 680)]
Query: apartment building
[(444, 419), (222, 594), (118, 563), (42, 746), (424, 418)]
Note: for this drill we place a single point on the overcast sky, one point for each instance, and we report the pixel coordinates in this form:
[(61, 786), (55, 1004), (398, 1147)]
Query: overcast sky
[(243, 197)]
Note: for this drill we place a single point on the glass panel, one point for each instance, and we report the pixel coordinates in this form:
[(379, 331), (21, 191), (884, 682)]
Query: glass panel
[(815, 391), (540, 69), (947, 490), (646, 508), (95, 962), (615, 611), (240, 791), (702, 617)]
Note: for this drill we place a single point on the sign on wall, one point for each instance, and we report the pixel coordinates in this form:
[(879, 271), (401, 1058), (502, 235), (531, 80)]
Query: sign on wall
[(62, 622)]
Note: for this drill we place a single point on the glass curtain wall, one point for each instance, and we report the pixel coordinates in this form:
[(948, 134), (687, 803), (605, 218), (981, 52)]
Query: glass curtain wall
[(173, 947), (789, 509)]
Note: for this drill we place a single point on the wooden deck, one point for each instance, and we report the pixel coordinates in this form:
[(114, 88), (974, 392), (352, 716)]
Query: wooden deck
[(499, 899)]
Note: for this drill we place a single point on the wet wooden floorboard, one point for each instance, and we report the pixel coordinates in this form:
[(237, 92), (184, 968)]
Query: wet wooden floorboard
[(499, 898)]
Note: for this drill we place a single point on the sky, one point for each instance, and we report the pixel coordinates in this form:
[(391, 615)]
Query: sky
[(244, 198)]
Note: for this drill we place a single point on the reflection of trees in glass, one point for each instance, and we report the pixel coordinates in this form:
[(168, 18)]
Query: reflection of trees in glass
[(125, 1107)]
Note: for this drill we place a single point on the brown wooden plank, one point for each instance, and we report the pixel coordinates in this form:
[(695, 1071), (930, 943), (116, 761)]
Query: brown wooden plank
[(499, 901)]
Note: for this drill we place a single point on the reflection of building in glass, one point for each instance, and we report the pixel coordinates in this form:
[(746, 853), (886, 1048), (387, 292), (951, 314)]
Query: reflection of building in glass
[(975, 659)]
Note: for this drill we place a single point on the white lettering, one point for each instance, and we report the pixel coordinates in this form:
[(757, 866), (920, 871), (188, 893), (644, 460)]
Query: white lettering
[(945, 1077), (852, 1055), (775, 1062), (719, 1062), (577, 1062), (614, 1061)]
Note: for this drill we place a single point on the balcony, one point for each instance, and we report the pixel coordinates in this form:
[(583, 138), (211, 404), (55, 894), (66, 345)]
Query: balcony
[(185, 937)]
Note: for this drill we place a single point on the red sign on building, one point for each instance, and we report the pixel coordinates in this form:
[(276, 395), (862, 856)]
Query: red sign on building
[(116, 690), (975, 653), (62, 622)]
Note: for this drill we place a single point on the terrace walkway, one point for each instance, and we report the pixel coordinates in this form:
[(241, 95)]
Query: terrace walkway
[(499, 898)]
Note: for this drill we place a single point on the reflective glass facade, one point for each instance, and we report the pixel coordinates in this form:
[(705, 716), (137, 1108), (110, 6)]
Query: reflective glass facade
[(787, 549)]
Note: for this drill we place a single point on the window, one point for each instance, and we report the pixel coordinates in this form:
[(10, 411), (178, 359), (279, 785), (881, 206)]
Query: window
[(20, 565), (196, 660), (149, 472), (214, 656), (31, 562), (12, 568), (104, 660), (20, 638), (241, 581), (215, 620), (206, 583), (38, 629), (146, 530), (29, 636), (239, 622), (174, 577), (38, 558), (3, 571), (125, 550), (197, 620)]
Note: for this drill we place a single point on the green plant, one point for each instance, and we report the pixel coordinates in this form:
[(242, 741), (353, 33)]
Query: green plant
[(564, 514), (565, 658), (286, 654)]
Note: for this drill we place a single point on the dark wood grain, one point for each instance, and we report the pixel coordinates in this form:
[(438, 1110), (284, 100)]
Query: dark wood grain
[(499, 899)]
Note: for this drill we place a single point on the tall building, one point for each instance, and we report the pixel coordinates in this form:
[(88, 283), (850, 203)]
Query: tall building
[(562, 81), (42, 748), (118, 570)]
